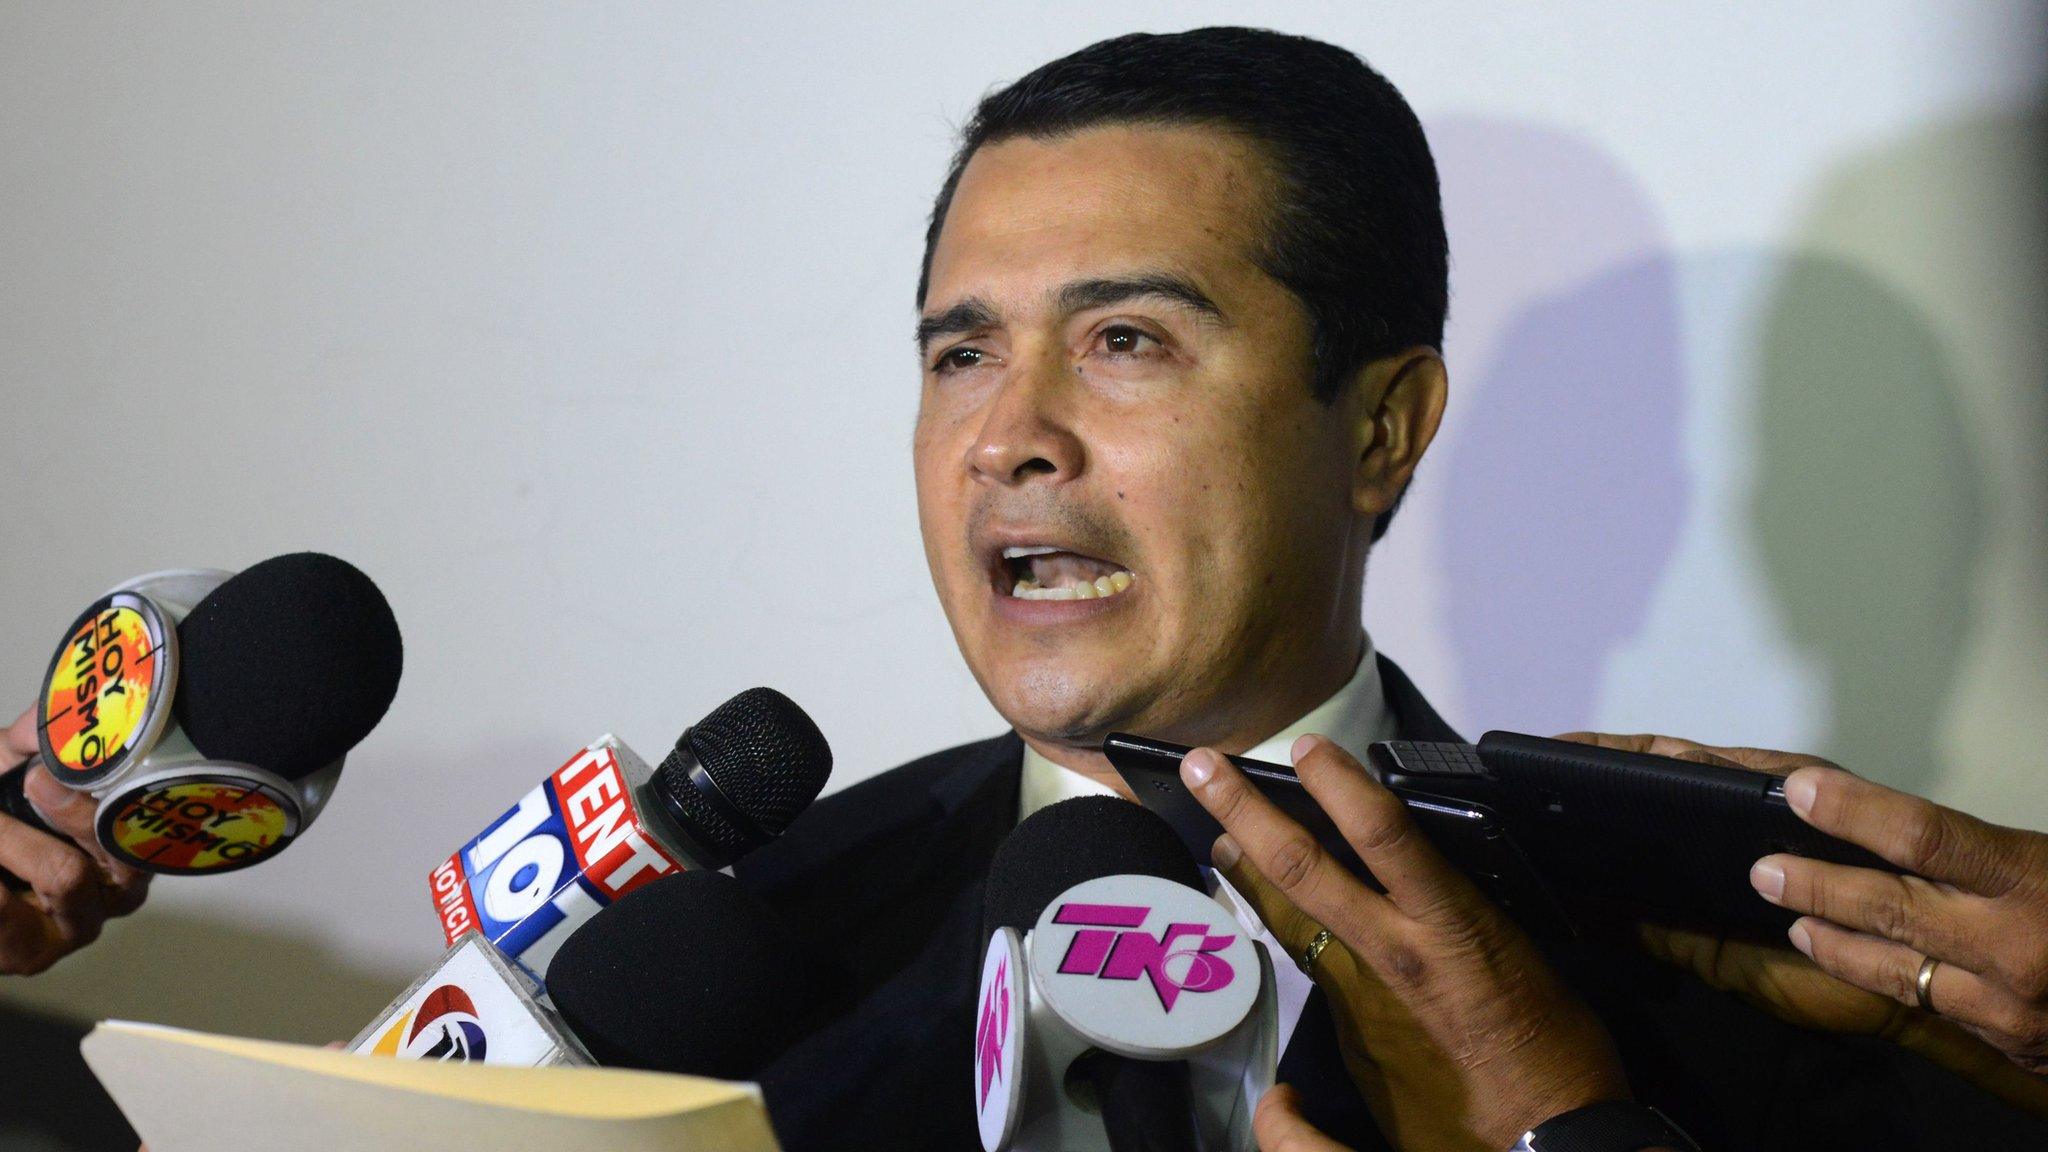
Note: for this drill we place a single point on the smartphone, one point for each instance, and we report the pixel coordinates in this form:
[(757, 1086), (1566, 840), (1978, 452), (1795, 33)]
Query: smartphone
[(1470, 835), (1628, 834)]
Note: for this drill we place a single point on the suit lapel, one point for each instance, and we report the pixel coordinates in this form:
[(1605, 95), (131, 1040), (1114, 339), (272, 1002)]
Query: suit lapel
[(897, 895)]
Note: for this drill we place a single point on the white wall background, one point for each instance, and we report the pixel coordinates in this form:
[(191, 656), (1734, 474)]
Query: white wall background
[(586, 331)]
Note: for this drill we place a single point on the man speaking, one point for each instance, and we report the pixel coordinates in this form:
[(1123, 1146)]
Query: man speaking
[(1179, 321)]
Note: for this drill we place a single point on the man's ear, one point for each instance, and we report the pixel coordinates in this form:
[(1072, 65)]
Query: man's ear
[(1400, 404)]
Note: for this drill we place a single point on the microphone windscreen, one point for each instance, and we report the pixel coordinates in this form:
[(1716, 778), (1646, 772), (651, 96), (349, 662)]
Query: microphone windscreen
[(1085, 838), (287, 665), (691, 973), (767, 759)]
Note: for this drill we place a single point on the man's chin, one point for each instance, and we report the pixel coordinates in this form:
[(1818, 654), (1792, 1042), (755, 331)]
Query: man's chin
[(1058, 707)]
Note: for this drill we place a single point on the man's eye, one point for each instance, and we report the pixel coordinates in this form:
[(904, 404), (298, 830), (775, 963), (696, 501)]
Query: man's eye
[(1124, 340), (956, 359)]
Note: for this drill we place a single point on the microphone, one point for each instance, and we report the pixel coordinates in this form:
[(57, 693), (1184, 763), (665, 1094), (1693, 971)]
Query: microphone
[(472, 1005), (209, 711), (604, 824), (1121, 1007), (690, 973)]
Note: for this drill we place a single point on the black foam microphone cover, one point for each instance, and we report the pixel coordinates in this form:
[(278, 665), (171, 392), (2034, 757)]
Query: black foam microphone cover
[(765, 760), (1085, 838), (1146, 1105), (288, 664), (690, 973)]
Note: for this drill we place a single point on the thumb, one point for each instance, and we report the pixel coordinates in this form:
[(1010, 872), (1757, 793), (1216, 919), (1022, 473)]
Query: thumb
[(1279, 1126), (68, 811), (74, 814)]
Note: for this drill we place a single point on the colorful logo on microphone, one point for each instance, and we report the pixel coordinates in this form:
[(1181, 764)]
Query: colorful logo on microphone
[(196, 824), (1143, 966), (1182, 958), (101, 693), (444, 1027), (999, 1065), (995, 1024)]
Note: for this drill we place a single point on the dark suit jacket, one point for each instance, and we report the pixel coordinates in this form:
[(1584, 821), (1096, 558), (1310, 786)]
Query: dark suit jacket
[(885, 878)]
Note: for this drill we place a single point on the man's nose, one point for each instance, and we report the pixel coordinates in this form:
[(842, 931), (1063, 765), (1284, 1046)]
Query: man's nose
[(1027, 432)]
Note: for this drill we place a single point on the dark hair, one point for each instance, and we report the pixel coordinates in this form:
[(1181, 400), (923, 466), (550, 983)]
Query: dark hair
[(1357, 227)]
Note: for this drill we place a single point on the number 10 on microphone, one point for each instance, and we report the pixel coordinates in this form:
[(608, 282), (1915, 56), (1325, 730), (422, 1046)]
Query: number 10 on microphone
[(568, 848)]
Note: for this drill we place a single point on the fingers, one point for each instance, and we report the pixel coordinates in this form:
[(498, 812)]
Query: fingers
[(1283, 851), (1290, 926), (1695, 952), (74, 814), (1893, 970), (1279, 1126), (65, 809), (1908, 910), (1755, 759), (65, 881), (1634, 742), (1739, 967), (1376, 824), (1915, 834), (29, 940)]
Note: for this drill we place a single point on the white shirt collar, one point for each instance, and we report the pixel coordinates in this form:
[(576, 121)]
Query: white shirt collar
[(1354, 717)]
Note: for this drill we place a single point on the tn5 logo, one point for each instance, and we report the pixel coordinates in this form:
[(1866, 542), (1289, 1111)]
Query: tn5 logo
[(1178, 960)]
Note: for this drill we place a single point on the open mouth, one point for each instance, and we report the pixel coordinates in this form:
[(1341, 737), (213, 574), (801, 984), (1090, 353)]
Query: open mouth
[(1042, 572)]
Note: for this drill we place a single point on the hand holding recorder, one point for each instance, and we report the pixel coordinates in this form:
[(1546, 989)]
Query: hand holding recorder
[(1969, 910), (1453, 1026)]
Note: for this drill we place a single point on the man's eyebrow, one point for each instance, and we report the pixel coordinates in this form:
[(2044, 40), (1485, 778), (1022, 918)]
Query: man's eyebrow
[(966, 316), (974, 313), (1082, 295)]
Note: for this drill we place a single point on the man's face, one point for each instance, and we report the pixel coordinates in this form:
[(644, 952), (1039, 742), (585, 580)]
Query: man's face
[(1136, 513)]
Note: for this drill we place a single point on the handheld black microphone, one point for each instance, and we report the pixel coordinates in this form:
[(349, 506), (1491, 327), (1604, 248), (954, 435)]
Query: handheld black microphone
[(605, 823), (1121, 1007), (209, 712), (691, 973)]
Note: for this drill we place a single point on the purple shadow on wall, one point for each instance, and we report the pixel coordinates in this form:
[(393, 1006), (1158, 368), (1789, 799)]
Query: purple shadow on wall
[(1564, 484)]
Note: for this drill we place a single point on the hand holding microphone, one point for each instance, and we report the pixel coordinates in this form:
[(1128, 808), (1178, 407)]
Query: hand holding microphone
[(1452, 1024), (191, 722), (72, 885)]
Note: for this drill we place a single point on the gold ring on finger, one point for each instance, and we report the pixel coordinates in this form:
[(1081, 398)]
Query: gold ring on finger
[(1310, 954), (1923, 984)]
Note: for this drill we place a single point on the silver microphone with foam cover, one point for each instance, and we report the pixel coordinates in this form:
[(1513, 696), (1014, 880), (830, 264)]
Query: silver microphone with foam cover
[(208, 712)]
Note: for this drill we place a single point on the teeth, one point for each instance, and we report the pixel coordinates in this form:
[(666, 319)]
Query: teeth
[(1019, 553), (1100, 588)]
